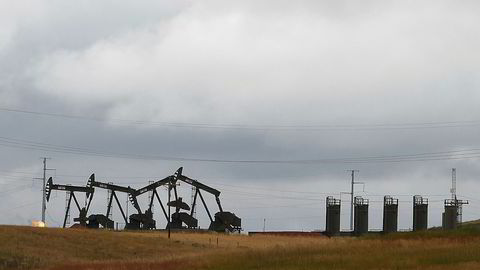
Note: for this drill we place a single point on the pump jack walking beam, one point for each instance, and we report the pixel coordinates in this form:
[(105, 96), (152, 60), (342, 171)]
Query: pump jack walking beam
[(199, 186)]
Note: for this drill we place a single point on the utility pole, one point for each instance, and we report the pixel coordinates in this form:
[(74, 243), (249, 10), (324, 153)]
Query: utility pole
[(44, 178), (168, 205), (44, 198), (352, 196)]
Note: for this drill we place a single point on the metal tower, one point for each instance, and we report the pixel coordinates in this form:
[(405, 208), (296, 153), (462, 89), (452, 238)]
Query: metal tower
[(453, 190)]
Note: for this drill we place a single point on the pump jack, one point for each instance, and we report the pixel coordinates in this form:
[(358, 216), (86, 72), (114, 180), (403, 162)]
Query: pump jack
[(221, 222), (224, 221), (146, 221), (178, 218), (82, 219), (108, 223)]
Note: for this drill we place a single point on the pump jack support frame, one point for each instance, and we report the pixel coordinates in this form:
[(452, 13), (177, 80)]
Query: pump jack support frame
[(89, 191)]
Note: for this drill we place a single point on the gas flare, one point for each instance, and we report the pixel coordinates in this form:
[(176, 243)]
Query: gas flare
[(38, 224)]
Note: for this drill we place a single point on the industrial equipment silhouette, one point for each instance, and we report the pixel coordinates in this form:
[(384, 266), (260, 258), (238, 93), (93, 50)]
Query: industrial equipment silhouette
[(183, 216), (222, 221)]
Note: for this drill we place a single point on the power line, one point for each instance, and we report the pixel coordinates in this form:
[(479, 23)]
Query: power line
[(316, 127), (17, 207), (281, 206), (250, 187), (431, 156), (292, 218), (15, 189), (264, 192)]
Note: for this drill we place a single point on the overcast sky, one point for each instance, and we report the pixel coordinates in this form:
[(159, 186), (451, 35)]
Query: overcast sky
[(299, 91)]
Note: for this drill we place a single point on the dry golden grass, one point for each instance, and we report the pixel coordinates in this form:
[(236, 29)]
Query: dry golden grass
[(42, 248)]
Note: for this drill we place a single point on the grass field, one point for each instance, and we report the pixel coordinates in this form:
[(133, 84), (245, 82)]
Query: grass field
[(49, 248)]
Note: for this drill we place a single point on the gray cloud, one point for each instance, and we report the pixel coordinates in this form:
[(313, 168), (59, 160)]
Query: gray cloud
[(245, 62)]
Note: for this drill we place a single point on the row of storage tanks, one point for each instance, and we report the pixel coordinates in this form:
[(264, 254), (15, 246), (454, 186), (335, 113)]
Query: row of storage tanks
[(390, 214)]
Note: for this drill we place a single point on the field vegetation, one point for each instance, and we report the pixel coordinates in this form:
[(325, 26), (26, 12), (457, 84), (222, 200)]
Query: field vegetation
[(50, 248)]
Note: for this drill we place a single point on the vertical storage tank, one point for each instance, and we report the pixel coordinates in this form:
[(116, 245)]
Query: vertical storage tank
[(452, 216), (390, 214), (333, 216), (420, 213), (360, 216), (449, 216)]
